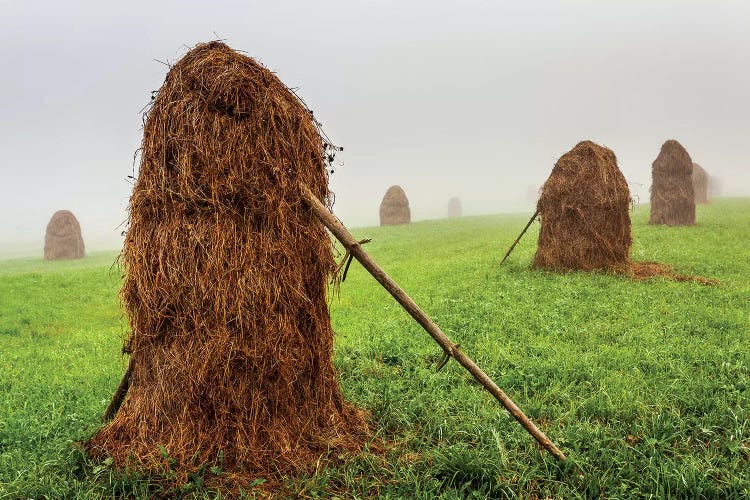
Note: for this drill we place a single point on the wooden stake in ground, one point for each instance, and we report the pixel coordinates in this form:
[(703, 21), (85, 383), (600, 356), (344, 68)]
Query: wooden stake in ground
[(119, 396), (450, 348), (354, 247), (528, 224)]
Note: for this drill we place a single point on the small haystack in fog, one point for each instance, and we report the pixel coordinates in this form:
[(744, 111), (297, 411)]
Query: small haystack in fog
[(672, 193), (226, 274), (585, 224), (700, 184), (394, 209), (63, 239), (454, 207), (714, 186)]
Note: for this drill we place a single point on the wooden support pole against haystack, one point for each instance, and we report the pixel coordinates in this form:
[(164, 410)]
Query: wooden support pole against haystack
[(120, 392), (354, 248), (450, 348), (528, 224)]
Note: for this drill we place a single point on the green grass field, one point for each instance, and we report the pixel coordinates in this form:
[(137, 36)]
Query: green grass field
[(645, 385)]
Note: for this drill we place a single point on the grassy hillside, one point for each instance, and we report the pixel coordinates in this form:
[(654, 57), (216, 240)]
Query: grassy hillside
[(646, 386)]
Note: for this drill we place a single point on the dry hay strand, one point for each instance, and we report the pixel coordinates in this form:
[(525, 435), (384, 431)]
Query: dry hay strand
[(641, 271), (585, 224), (454, 207), (672, 194), (394, 209), (700, 184), (225, 285), (63, 239)]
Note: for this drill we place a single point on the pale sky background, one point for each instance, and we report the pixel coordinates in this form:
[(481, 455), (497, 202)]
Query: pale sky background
[(475, 99)]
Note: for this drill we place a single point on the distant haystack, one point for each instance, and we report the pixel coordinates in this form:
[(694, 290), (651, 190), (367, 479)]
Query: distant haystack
[(700, 184), (454, 207), (532, 193), (714, 186), (394, 209), (584, 212), (672, 193), (63, 239)]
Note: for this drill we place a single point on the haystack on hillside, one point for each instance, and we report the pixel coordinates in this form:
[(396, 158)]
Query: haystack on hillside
[(584, 212), (672, 194), (394, 209), (63, 239), (454, 207), (225, 284), (700, 184)]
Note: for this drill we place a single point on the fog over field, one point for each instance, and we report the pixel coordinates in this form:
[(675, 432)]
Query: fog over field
[(474, 99)]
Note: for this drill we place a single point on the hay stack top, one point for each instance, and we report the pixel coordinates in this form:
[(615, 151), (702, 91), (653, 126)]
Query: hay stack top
[(585, 176), (228, 130), (63, 239), (673, 159), (394, 209)]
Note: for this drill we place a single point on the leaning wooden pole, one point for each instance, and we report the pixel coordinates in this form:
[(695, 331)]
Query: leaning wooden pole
[(528, 224), (119, 395), (355, 249)]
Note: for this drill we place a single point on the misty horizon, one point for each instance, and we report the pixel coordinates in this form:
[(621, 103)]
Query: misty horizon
[(476, 100)]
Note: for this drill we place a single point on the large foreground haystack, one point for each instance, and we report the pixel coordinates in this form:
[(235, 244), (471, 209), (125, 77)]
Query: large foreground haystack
[(672, 194), (394, 209), (584, 212), (225, 284), (700, 184), (454, 207), (63, 239)]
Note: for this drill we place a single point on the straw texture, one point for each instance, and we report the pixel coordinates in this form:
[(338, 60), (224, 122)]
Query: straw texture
[(225, 284)]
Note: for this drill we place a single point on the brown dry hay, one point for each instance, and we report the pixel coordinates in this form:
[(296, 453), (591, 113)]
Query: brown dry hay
[(454, 207), (646, 270), (584, 212), (394, 209), (225, 285), (700, 184), (63, 239), (672, 194)]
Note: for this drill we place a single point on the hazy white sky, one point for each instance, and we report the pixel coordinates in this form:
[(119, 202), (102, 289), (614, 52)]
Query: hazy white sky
[(475, 99)]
